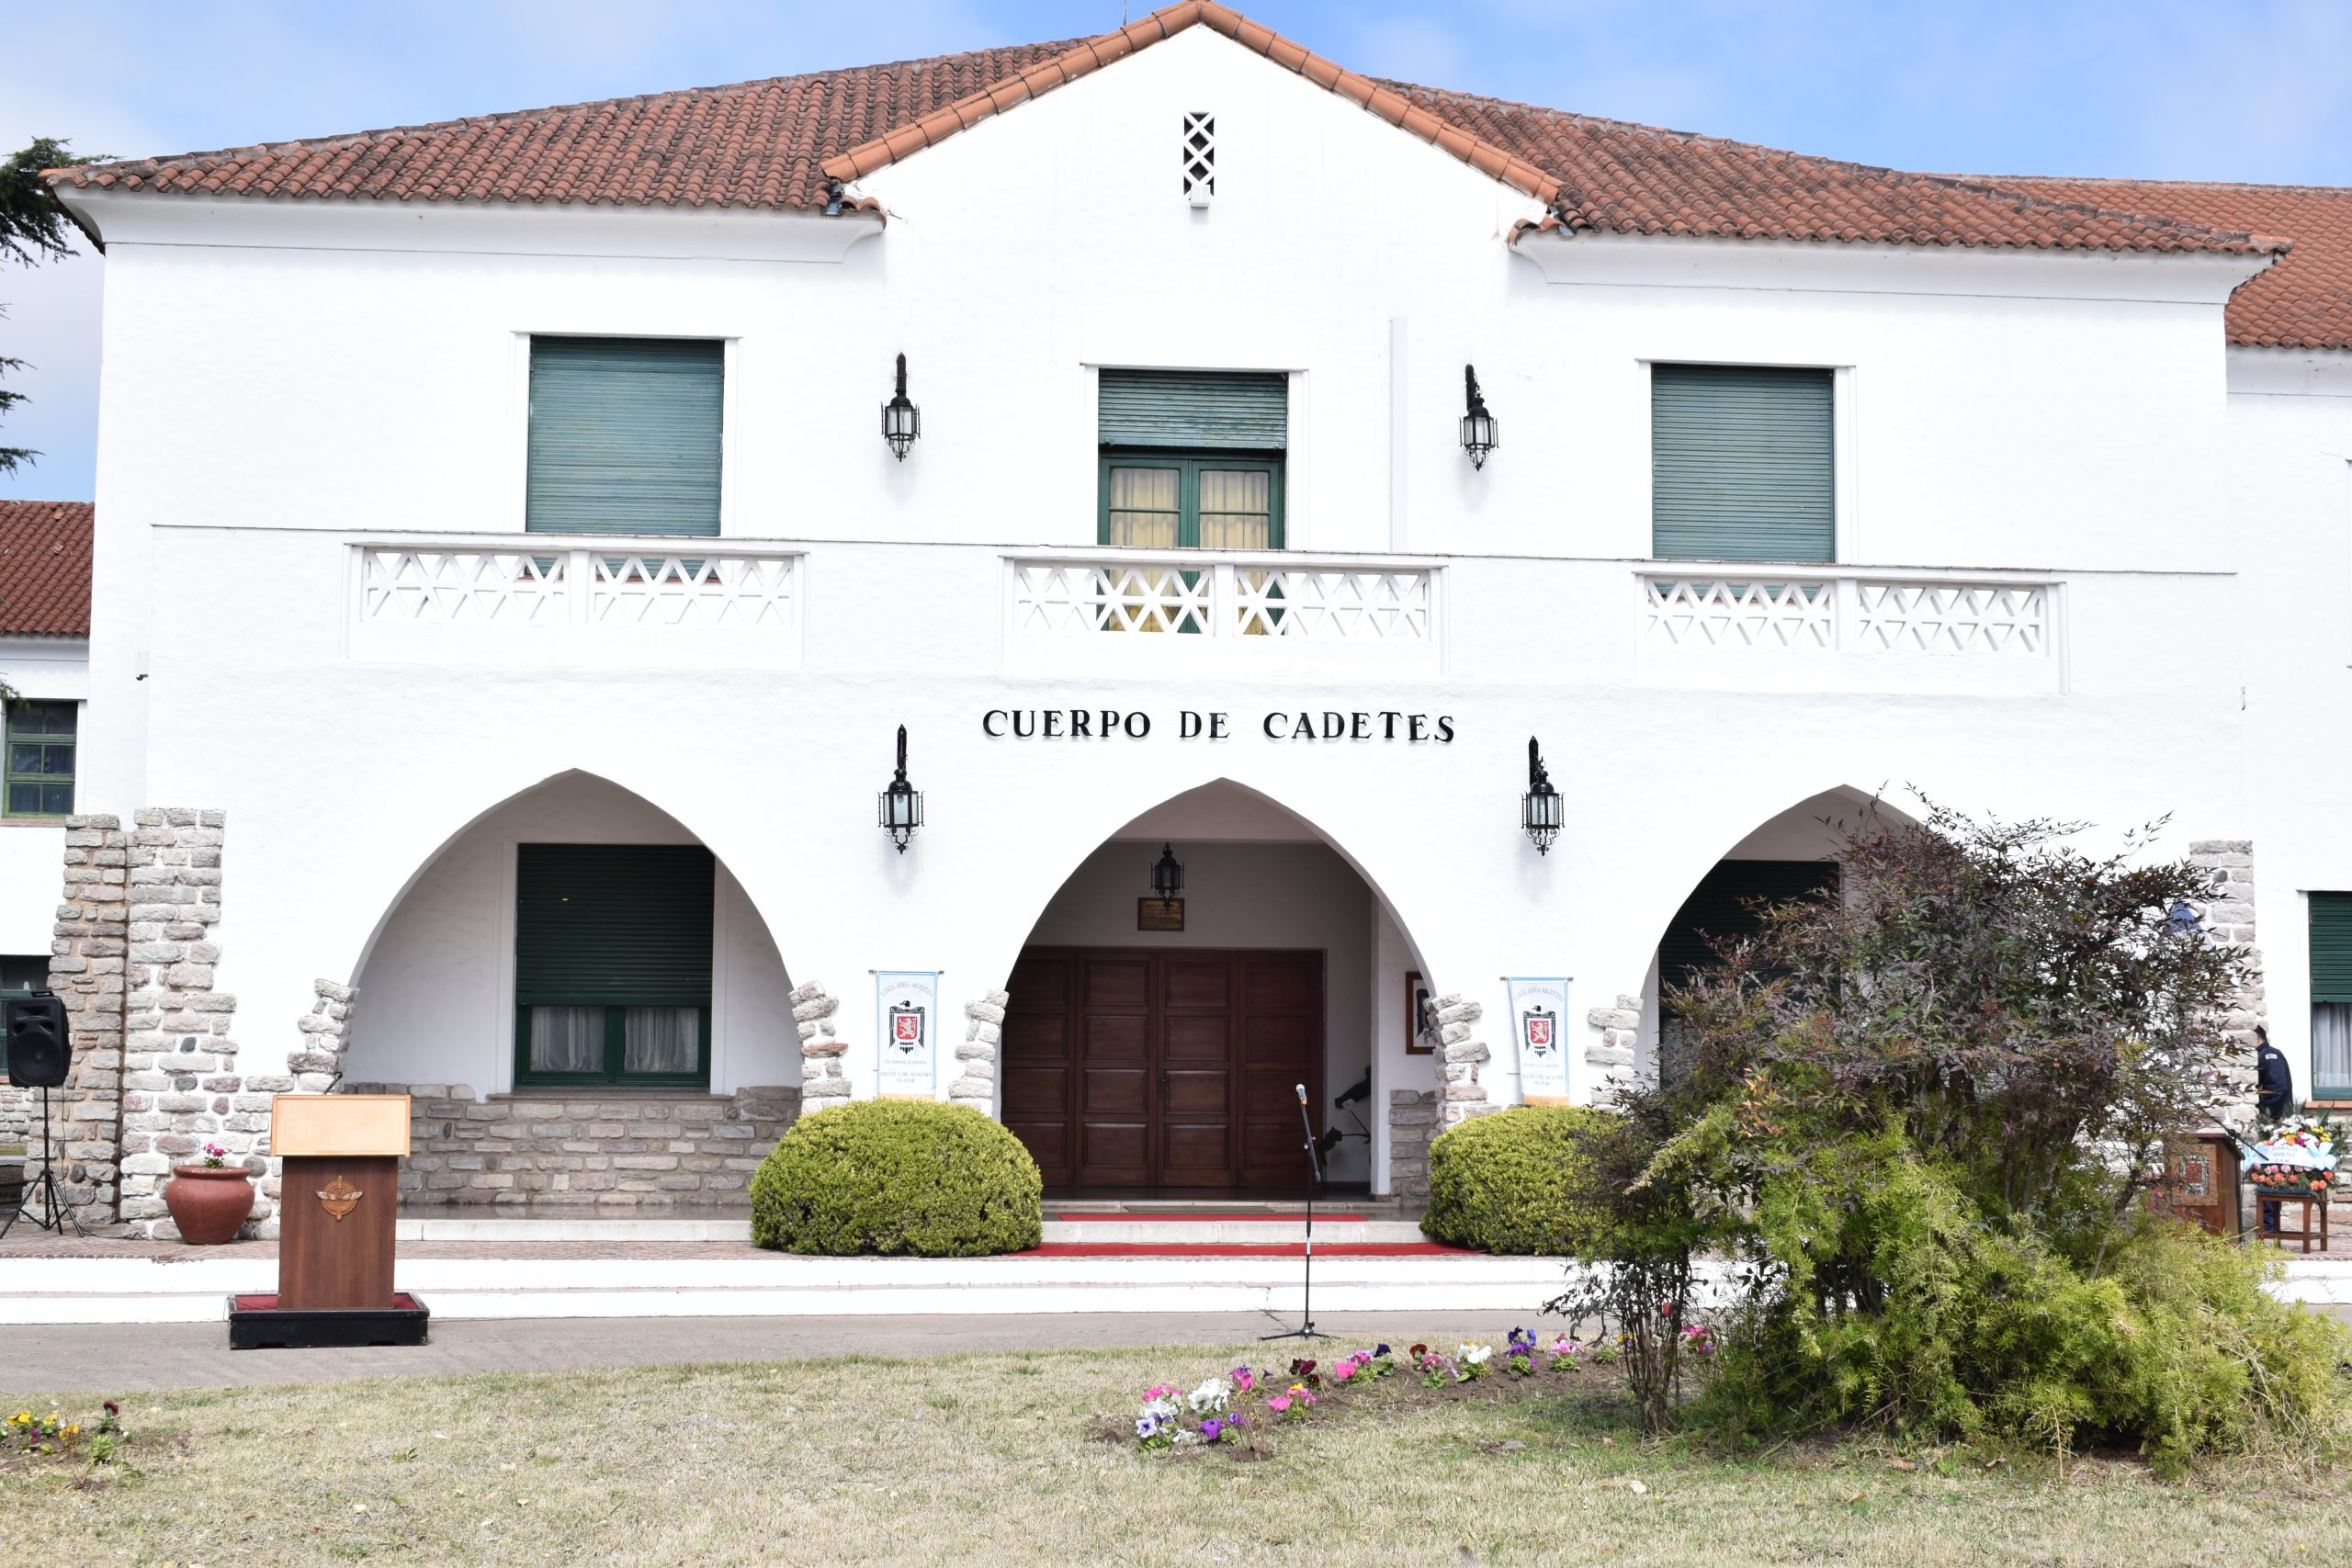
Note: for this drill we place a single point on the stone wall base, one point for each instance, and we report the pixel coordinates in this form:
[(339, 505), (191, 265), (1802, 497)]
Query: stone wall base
[(1412, 1124), (572, 1150)]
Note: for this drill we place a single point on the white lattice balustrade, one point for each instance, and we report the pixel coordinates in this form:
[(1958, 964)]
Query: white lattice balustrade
[(1222, 599), (1853, 614), (619, 603), (1952, 617), (576, 587), (1687, 613)]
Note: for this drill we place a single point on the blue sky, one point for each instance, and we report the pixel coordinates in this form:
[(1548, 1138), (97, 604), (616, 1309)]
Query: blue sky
[(2256, 90)]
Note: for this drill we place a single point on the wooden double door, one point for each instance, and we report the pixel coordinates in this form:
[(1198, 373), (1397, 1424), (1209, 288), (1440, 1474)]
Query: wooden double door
[(1171, 1070)]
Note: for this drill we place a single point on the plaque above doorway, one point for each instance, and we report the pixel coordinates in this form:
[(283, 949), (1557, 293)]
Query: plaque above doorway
[(1159, 914)]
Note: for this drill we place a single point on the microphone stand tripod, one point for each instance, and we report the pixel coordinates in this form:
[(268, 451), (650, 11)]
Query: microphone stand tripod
[(1305, 1329)]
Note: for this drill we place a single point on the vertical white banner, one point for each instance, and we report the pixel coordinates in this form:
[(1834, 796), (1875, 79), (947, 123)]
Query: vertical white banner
[(1539, 1012), (906, 1015)]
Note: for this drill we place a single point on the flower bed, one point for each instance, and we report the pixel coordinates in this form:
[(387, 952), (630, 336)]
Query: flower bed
[(28, 1439), (1236, 1410)]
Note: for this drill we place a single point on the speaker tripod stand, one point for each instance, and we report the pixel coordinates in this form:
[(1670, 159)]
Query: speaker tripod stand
[(53, 1214)]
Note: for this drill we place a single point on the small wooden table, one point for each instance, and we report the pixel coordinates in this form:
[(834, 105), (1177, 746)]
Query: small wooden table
[(2270, 1223)]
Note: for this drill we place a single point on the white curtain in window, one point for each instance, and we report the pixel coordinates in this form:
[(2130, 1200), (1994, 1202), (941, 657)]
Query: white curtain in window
[(661, 1040), (1237, 506), (566, 1040), (2331, 1046), (1143, 508)]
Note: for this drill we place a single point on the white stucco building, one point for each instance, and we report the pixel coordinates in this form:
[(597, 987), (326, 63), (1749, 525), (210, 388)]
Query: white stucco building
[(507, 605)]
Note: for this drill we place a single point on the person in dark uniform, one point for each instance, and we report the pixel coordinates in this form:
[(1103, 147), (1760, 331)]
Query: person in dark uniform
[(2273, 1098)]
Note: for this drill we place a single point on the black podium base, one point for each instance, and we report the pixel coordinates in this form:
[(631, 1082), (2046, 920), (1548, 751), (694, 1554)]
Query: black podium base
[(256, 1323)]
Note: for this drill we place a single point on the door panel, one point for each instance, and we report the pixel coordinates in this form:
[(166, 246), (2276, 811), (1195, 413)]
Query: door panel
[(1281, 1035), (1039, 1094), (1168, 1070), (1115, 1068)]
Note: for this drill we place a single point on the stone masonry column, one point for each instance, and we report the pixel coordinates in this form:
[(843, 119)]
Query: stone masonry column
[(85, 971), (178, 1046), (1616, 1032), (2228, 915), (823, 1082), (1460, 1094), (975, 1083)]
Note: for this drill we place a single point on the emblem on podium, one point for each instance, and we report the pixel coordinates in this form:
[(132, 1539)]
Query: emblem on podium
[(340, 1197)]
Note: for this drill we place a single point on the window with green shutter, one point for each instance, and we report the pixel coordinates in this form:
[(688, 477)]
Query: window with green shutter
[(2331, 939), (625, 436), (1742, 464), (612, 963), (1724, 907), (40, 759), (1192, 459)]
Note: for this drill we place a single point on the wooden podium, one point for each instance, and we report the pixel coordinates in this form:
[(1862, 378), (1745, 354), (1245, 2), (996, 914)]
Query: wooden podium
[(338, 1198)]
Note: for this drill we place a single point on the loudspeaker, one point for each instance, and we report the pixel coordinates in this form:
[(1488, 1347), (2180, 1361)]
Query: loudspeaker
[(37, 1042)]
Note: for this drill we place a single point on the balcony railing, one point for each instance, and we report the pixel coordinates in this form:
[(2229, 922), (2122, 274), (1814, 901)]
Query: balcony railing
[(570, 600), (1878, 627), (1122, 605)]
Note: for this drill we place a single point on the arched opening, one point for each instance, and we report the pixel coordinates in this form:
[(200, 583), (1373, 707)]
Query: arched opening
[(579, 996), (1156, 1048), (1795, 854)]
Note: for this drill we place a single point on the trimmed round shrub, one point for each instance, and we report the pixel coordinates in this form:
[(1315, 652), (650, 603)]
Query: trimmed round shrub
[(896, 1176), (1504, 1182)]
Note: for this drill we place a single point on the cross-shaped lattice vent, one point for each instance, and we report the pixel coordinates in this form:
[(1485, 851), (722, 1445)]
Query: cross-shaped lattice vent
[(1200, 158)]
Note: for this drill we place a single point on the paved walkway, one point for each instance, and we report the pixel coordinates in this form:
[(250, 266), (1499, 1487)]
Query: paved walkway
[(106, 1359)]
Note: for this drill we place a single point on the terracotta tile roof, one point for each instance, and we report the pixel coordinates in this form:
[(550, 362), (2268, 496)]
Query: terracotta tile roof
[(2304, 302), (780, 143), (45, 567)]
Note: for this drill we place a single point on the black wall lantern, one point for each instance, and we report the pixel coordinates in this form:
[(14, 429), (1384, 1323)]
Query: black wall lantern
[(901, 805), (901, 421), (1478, 426), (1167, 876), (1539, 808)]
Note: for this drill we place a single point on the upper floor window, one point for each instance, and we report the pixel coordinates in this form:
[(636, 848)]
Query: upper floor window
[(40, 758), (1193, 459), (1742, 464), (625, 436)]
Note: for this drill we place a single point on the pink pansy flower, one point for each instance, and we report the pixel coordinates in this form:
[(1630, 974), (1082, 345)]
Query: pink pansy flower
[(1279, 1404)]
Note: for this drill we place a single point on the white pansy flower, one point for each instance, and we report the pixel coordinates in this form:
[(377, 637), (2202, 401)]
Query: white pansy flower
[(1210, 1396), (1476, 1355)]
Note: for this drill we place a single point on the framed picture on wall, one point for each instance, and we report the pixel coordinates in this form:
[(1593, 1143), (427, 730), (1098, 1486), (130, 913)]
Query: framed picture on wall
[(1421, 1016)]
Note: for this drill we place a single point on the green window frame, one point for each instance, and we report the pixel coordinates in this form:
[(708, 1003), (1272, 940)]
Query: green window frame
[(603, 933), (1229, 480), (2331, 980), (42, 756), (627, 435), (1743, 463)]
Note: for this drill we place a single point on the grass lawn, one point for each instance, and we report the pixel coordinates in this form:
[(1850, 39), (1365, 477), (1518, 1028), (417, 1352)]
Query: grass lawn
[(988, 1459)]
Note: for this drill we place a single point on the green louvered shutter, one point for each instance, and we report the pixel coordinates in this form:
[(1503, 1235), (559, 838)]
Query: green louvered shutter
[(1194, 408), (624, 436), (2332, 947), (1742, 464), (1719, 907), (612, 924)]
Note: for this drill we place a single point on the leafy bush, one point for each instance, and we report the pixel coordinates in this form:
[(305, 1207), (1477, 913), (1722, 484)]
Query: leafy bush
[(1510, 1181), (1921, 1119), (896, 1176)]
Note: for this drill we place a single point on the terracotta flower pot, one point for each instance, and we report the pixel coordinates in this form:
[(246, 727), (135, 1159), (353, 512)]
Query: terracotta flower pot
[(208, 1202)]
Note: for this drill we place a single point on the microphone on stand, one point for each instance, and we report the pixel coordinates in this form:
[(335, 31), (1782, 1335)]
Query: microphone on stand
[(1305, 1329)]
